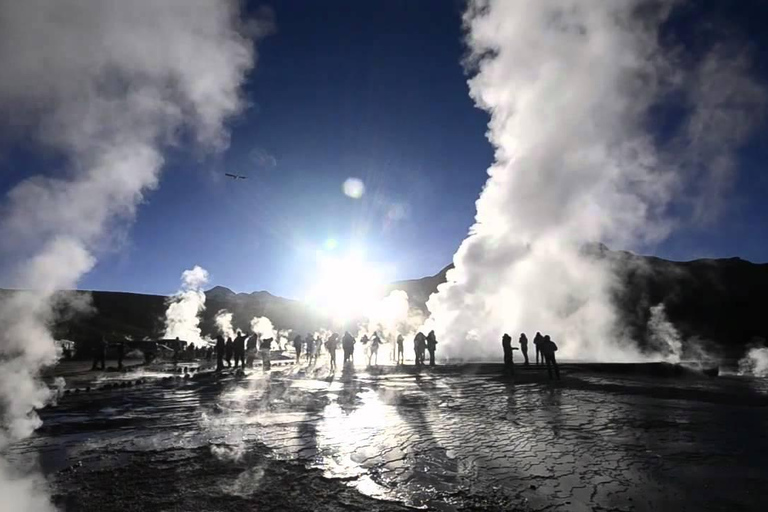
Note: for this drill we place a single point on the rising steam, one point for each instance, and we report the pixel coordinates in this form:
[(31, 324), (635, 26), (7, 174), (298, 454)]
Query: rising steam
[(182, 318), (104, 86), (262, 326), (223, 321), (569, 85)]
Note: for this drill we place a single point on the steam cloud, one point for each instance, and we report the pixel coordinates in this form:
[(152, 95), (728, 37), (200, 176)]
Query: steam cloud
[(103, 86), (569, 85), (182, 316), (224, 323), (262, 326)]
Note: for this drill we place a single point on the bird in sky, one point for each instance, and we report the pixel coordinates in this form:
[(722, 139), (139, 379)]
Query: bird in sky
[(235, 176)]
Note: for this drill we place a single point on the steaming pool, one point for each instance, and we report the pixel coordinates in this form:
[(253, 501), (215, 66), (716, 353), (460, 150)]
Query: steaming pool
[(613, 437)]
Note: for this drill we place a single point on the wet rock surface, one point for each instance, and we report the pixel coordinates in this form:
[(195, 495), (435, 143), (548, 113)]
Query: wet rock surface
[(448, 438)]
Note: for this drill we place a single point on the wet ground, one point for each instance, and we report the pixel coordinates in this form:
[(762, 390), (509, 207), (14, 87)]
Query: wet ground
[(627, 437)]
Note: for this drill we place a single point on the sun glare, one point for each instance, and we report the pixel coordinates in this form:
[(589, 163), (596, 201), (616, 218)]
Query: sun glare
[(346, 287)]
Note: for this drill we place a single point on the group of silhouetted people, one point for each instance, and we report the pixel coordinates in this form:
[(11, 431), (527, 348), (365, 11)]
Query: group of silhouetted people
[(545, 352), (422, 344)]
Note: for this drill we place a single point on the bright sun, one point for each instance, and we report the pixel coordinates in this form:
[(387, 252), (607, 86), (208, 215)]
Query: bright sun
[(345, 287)]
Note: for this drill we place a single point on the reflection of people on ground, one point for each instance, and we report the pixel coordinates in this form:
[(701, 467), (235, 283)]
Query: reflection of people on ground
[(99, 354), (537, 343), (348, 344), (506, 344), (524, 346), (548, 349), (297, 343), (431, 346), (374, 353), (265, 347), (330, 345), (239, 349), (400, 359), (220, 350), (229, 348)]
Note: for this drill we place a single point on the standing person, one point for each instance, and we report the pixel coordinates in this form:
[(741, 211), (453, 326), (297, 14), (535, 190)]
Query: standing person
[(229, 349), (524, 346), (99, 354), (431, 346), (548, 349), (297, 343), (400, 359), (537, 343), (506, 344), (418, 348), (265, 347), (220, 350), (310, 340), (120, 355), (374, 353), (348, 344), (330, 345), (239, 349)]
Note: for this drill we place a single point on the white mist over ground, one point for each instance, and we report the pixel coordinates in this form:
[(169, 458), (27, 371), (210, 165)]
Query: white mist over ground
[(568, 85), (103, 86), (223, 321), (755, 362), (182, 318)]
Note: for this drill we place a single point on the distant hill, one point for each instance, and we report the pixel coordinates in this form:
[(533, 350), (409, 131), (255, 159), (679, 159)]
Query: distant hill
[(722, 300)]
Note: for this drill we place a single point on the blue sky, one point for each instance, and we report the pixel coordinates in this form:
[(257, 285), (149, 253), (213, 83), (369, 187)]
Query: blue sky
[(373, 90)]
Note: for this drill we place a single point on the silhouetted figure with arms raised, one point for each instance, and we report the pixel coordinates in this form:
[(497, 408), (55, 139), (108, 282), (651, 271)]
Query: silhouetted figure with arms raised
[(548, 349), (297, 343), (537, 343), (220, 350), (524, 346), (431, 347), (400, 359)]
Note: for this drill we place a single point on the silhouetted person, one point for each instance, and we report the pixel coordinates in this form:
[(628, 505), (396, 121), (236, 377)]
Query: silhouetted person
[(400, 359), (310, 348), (99, 354), (265, 347), (506, 344), (537, 343), (221, 348), (374, 352), (524, 346), (431, 347), (297, 343), (548, 349), (229, 349), (348, 344), (331, 345), (419, 343), (120, 355), (239, 349)]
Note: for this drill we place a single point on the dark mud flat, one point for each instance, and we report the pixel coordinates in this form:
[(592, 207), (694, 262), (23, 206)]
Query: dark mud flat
[(449, 438), (195, 480)]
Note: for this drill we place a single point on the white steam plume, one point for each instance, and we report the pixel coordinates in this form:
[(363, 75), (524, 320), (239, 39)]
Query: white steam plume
[(224, 323), (568, 84), (103, 85), (755, 361), (262, 326), (663, 336), (182, 318)]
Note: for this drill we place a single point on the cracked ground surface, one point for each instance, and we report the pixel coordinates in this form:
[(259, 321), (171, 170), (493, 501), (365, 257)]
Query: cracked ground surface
[(447, 438)]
